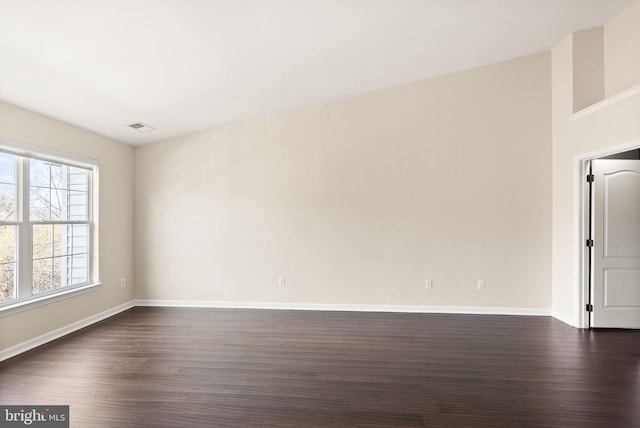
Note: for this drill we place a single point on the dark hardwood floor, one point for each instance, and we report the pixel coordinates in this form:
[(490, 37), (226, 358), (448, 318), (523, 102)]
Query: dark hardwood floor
[(161, 367)]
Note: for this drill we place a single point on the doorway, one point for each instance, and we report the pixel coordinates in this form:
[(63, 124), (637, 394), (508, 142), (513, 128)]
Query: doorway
[(612, 244)]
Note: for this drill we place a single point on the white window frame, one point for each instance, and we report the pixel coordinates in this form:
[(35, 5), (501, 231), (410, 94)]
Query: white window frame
[(26, 299)]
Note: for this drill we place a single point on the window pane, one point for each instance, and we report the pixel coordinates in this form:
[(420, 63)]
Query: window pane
[(77, 208), (73, 269), (75, 238), (78, 179), (43, 241), (8, 251), (39, 173), (7, 168), (57, 202), (42, 275), (7, 187), (58, 176), (7, 282), (78, 205), (7, 202), (58, 192), (39, 201), (60, 255), (74, 244)]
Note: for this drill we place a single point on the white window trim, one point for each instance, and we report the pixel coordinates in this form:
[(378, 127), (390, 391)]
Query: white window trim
[(34, 152)]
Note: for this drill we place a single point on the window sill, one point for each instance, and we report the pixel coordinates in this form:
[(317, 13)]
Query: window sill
[(35, 302)]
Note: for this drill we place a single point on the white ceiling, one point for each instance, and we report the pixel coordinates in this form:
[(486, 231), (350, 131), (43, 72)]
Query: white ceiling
[(187, 65)]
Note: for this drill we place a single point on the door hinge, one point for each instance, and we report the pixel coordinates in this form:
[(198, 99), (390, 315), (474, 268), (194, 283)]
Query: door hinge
[(589, 307), (589, 242), (590, 178)]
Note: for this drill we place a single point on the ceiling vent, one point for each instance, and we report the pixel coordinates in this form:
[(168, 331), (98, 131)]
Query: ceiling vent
[(141, 127)]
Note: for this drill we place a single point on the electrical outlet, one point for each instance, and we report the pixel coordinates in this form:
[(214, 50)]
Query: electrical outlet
[(428, 284), (123, 282), (282, 281), (480, 285)]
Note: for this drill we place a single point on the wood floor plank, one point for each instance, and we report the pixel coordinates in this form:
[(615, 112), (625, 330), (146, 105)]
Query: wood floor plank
[(168, 367)]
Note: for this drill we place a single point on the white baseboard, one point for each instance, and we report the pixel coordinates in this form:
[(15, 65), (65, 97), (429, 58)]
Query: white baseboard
[(55, 334), (63, 331), (478, 310)]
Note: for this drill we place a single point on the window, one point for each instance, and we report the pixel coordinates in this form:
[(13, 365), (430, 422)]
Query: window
[(46, 226)]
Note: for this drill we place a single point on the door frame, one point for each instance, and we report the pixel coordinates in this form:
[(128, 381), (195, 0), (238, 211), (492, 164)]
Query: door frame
[(582, 164)]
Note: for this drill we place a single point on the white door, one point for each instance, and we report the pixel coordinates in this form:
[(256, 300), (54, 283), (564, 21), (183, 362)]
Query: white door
[(615, 292)]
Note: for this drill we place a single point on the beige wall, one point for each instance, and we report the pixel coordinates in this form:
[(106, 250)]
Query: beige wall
[(622, 47), (588, 67), (116, 222), (359, 201), (615, 126)]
